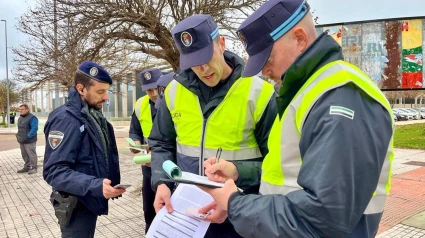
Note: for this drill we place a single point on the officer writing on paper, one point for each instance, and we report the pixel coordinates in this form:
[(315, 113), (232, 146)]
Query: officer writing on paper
[(81, 158), (327, 173), (209, 105), (140, 127)]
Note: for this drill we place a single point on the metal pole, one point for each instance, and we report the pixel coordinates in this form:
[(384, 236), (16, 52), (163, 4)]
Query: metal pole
[(7, 78), (55, 27)]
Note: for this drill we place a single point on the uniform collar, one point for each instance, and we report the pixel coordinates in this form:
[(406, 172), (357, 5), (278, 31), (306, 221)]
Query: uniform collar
[(321, 52)]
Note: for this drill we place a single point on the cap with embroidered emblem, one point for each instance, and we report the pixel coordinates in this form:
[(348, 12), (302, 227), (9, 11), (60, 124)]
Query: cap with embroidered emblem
[(149, 78), (95, 71), (194, 38), (265, 26), (163, 81)]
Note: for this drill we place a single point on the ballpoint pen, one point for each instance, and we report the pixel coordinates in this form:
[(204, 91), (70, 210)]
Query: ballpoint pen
[(217, 157)]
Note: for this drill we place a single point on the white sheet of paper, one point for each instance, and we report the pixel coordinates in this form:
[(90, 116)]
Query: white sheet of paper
[(177, 224)]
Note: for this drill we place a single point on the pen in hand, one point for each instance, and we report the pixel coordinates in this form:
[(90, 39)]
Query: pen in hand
[(217, 157)]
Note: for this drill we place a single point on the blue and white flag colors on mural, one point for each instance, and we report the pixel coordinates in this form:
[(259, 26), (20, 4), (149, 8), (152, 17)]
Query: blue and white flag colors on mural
[(341, 111)]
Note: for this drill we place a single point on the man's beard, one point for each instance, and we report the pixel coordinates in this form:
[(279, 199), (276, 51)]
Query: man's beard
[(94, 105)]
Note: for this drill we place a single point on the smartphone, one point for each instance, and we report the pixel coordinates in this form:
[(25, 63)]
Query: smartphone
[(122, 186)]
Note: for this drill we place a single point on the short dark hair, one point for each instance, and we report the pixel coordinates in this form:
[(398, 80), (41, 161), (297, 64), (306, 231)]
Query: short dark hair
[(24, 106), (82, 78)]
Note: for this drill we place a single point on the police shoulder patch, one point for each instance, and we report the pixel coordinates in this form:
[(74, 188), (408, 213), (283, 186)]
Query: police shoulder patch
[(55, 138), (341, 111)]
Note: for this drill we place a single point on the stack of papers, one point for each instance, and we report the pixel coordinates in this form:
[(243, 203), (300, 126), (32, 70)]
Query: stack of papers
[(178, 224)]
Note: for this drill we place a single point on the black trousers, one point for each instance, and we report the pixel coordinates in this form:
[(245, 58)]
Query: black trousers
[(224, 230), (148, 196), (81, 225)]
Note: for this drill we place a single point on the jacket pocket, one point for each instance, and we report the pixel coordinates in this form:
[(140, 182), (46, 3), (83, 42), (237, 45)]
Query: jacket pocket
[(21, 139)]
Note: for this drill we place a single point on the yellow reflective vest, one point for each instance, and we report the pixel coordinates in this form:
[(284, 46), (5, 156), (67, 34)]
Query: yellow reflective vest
[(282, 164), (142, 110), (230, 126)]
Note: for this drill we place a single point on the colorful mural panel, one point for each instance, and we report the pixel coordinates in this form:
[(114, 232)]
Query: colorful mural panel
[(373, 59), (412, 66), (390, 52), (392, 71), (352, 43)]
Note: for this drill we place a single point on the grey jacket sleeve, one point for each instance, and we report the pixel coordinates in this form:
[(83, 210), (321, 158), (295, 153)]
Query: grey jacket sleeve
[(135, 132), (162, 142), (250, 170), (342, 161)]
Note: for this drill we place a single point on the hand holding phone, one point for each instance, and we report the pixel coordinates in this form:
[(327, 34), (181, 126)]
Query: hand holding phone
[(122, 186)]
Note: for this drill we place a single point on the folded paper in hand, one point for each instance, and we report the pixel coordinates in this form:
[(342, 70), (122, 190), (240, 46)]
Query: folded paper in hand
[(142, 159)]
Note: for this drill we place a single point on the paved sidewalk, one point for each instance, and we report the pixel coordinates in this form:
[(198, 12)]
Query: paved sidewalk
[(407, 196), (25, 209)]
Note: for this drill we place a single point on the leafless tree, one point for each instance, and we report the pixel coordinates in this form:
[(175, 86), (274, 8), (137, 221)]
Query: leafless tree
[(36, 58), (148, 23), (13, 95), (120, 34), (412, 95)]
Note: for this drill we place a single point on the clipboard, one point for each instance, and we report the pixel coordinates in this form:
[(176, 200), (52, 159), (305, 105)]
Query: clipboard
[(176, 175)]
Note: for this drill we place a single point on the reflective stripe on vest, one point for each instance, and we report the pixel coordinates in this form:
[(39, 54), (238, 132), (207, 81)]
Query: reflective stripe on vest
[(142, 110), (230, 126), (282, 165)]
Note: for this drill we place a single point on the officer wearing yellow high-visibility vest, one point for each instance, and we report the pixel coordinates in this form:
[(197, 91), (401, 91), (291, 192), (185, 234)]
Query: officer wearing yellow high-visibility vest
[(140, 127), (209, 105), (328, 170)]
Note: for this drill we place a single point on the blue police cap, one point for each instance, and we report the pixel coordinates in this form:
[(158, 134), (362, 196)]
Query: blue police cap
[(149, 78), (95, 71), (265, 26), (194, 39), (163, 81)]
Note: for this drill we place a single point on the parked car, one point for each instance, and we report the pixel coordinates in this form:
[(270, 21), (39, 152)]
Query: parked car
[(408, 114), (400, 117), (419, 115)]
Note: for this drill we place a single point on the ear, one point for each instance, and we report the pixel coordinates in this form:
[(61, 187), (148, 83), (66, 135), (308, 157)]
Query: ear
[(301, 36), (222, 44), (80, 89)]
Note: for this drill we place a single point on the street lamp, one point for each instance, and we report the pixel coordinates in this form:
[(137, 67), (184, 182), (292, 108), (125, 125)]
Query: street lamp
[(7, 78)]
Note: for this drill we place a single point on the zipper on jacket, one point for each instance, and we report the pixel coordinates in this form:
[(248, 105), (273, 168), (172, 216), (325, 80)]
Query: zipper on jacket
[(201, 158)]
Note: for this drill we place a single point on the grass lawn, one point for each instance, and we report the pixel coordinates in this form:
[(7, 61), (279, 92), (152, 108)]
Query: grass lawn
[(410, 136)]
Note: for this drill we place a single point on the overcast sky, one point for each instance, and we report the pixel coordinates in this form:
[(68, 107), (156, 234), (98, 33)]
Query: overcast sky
[(336, 11), (11, 10), (328, 11)]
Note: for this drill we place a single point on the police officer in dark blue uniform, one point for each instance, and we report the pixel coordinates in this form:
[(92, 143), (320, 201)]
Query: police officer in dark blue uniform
[(141, 124), (81, 157)]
